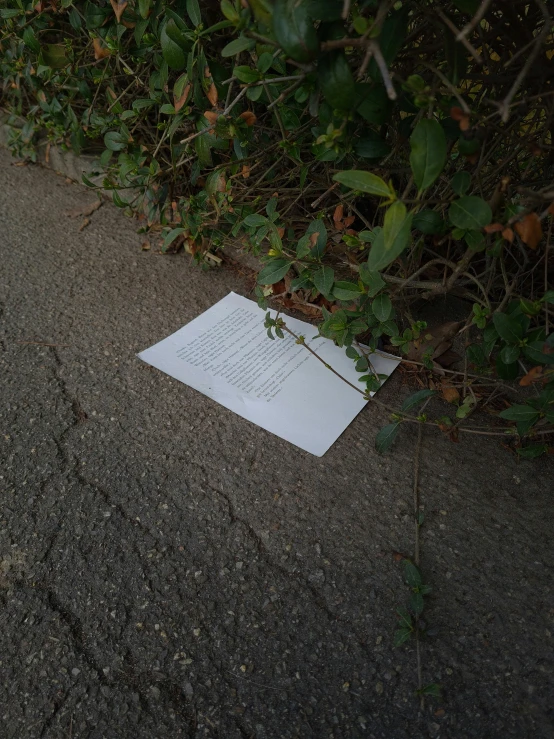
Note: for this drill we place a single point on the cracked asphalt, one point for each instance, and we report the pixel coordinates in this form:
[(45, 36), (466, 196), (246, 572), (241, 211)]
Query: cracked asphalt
[(169, 570)]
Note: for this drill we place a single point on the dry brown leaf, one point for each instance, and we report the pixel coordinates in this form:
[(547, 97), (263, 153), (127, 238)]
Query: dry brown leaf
[(313, 239), (281, 232), (338, 214), (245, 171), (179, 102), (450, 393), (248, 117), (84, 224), (145, 245), (508, 234), (100, 51), (211, 115), (212, 94), (221, 183), (457, 114), (118, 8), (551, 209), (532, 376), (493, 228), (530, 230)]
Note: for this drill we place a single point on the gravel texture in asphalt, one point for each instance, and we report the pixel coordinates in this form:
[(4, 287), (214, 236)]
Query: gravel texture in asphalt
[(168, 569)]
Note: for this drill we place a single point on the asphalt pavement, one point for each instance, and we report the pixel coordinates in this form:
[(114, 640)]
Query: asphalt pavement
[(168, 569)]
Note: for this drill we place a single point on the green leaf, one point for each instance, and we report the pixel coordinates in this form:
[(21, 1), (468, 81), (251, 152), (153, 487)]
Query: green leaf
[(433, 690), (323, 280), (144, 8), (428, 222), (401, 636), (460, 182), (536, 351), (510, 353), (519, 413), (303, 247), (373, 280), (53, 55), (351, 353), (393, 239), (318, 227), (255, 220), (386, 436), (246, 74), (31, 40), (7, 13), (171, 236), (237, 45), (412, 575), (416, 603), (506, 371), (193, 9), (416, 398), (374, 105), (173, 54), (533, 451), (382, 307), (508, 328), (371, 146), (470, 212), (428, 156), (273, 271), (357, 179), (229, 11), (115, 141), (346, 291)]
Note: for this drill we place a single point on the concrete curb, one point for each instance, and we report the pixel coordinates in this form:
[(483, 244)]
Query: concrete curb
[(74, 166)]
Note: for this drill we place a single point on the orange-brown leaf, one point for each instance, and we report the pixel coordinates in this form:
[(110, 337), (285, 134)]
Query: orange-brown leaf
[(211, 115), (530, 230), (493, 228), (532, 376), (313, 238), (339, 212), (508, 234), (212, 94), (118, 8), (179, 102), (246, 171), (100, 51), (450, 393), (248, 117)]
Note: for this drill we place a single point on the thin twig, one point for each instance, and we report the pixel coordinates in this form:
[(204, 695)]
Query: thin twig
[(468, 28)]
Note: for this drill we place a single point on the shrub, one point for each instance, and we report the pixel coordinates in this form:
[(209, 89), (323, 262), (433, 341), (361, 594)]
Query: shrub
[(399, 154)]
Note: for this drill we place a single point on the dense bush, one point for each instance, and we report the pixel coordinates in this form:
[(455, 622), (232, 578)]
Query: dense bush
[(377, 154)]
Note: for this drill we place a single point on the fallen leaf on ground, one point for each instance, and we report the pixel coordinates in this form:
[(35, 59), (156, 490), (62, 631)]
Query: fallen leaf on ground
[(84, 224), (145, 246), (530, 230), (532, 376), (450, 393), (508, 234)]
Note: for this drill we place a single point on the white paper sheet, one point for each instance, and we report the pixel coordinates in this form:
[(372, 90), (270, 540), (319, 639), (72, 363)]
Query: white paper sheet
[(226, 354)]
